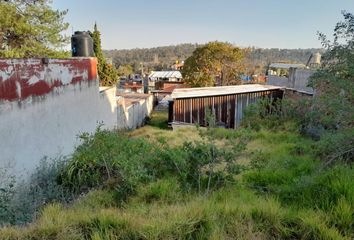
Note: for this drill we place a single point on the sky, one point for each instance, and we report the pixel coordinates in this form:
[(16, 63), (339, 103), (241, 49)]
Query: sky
[(127, 24)]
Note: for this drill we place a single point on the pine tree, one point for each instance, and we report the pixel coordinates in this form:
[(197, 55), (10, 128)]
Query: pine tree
[(107, 73), (31, 29)]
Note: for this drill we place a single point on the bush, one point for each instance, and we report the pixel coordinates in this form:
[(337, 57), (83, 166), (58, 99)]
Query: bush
[(110, 160), (113, 160), (7, 191), (336, 147), (30, 195), (273, 114), (163, 190)]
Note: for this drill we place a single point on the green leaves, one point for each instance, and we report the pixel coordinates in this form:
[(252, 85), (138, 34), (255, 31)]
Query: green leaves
[(31, 29), (215, 63), (333, 105), (107, 73)]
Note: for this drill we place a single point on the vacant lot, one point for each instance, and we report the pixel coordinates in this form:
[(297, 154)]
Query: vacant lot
[(155, 183)]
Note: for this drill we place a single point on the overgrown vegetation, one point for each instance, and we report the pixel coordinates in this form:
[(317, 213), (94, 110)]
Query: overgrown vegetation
[(276, 189), (21, 201), (286, 174), (332, 111)]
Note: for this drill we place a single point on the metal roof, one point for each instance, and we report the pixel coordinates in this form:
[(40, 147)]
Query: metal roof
[(165, 74), (224, 90), (287, 65)]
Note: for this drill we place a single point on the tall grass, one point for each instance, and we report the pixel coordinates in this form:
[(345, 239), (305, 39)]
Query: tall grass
[(134, 188)]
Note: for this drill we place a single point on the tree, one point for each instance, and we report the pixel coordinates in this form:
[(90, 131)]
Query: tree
[(106, 72), (215, 63), (31, 28), (332, 110), (334, 81), (125, 70)]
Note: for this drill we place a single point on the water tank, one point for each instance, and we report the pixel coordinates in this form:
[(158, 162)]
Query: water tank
[(82, 45), (317, 58)]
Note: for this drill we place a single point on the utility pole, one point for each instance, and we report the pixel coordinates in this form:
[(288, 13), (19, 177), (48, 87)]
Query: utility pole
[(142, 69)]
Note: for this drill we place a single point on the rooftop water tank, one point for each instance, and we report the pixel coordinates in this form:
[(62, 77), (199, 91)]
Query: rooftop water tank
[(82, 45), (317, 58)]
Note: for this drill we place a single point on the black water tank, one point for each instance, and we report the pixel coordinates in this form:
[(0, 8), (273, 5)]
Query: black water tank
[(82, 45)]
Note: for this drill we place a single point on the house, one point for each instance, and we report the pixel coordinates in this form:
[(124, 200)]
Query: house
[(294, 76), (131, 87), (170, 76), (282, 69), (164, 89)]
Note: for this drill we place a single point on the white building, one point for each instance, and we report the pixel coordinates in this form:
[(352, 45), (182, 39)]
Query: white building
[(170, 76)]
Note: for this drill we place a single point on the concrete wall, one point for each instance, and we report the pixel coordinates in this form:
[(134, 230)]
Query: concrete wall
[(45, 104), (131, 116), (275, 80), (298, 79)]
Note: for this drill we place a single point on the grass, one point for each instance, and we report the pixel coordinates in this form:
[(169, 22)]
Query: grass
[(226, 214), (157, 130), (281, 193)]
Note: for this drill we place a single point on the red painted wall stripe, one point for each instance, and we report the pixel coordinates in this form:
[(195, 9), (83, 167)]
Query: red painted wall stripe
[(21, 78)]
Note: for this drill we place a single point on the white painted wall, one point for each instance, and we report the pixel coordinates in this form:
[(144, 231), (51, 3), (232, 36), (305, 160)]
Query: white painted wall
[(133, 116), (49, 125)]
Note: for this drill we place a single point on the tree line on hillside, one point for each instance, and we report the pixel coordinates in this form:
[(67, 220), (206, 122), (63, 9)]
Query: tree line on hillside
[(159, 58)]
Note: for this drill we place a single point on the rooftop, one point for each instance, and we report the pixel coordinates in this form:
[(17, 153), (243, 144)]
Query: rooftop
[(224, 90), (287, 65), (165, 74), (132, 98)]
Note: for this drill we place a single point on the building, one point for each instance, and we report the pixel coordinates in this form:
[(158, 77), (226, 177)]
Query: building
[(190, 106), (164, 89), (131, 87), (170, 76), (178, 65), (296, 78), (282, 69)]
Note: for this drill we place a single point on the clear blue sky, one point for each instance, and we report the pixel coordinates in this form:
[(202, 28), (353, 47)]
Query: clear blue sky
[(126, 24)]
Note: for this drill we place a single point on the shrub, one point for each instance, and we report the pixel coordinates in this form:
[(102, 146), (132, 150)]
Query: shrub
[(336, 147), (113, 160), (163, 190), (7, 191), (273, 114), (28, 196), (108, 159)]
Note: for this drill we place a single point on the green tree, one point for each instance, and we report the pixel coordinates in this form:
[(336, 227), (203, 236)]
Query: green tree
[(125, 70), (106, 72), (332, 110), (334, 81), (215, 63), (31, 28)]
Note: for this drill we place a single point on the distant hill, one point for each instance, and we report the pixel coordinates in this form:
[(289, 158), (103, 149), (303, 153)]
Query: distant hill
[(163, 57)]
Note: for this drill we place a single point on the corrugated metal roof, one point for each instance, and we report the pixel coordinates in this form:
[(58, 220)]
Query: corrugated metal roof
[(165, 74), (286, 65), (224, 90)]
